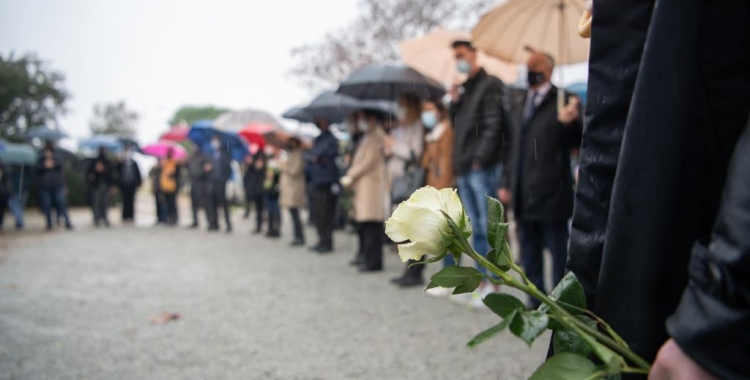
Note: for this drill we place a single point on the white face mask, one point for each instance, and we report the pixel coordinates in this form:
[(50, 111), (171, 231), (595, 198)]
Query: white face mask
[(362, 125)]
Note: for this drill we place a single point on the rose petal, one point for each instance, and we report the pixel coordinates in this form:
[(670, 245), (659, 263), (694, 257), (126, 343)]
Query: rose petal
[(427, 197), (415, 250), (422, 224), (451, 204), (394, 229)]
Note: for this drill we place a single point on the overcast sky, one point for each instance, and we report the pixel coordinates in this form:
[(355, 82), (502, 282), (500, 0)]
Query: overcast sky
[(160, 54)]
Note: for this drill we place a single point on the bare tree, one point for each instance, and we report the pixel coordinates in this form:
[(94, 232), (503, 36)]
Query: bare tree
[(113, 119), (374, 36)]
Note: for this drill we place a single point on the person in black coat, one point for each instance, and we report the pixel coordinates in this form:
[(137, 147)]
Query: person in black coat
[(219, 171), (51, 187), (668, 99), (539, 182), (252, 180), (324, 178), (129, 180), (100, 180), (199, 185)]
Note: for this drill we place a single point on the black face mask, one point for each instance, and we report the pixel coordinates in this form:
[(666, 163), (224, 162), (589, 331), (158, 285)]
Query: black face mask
[(535, 77)]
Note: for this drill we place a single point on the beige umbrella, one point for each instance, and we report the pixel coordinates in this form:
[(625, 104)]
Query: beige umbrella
[(432, 56), (509, 31)]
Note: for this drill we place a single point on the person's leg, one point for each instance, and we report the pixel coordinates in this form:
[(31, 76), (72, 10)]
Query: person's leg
[(212, 213), (329, 209), (61, 200), (3, 205), (556, 239), (373, 245), (318, 208), (481, 186), (299, 235), (45, 200), (414, 270), (260, 208), (194, 202), (467, 194), (104, 206), (531, 235), (129, 206), (14, 203), (225, 205), (248, 201)]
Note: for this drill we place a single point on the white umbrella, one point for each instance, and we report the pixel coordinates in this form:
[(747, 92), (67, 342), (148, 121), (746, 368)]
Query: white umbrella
[(234, 121), (432, 55)]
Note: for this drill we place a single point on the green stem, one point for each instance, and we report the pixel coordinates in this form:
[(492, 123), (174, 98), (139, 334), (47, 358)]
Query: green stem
[(637, 371)]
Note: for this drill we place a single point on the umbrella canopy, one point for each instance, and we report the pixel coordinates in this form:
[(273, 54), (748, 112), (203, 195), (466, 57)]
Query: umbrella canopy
[(236, 120), (90, 147), (298, 114), (388, 83), (307, 115), (255, 133), (543, 25), (432, 55), (177, 133), (17, 154), (332, 106), (202, 132), (162, 148), (44, 133)]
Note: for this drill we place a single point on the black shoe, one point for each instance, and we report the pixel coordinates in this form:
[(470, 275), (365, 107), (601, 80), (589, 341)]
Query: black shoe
[(297, 243), (356, 262), (229, 230), (397, 280), (314, 248), (257, 232), (68, 227), (366, 269), (193, 226), (323, 250), (407, 282), (213, 229)]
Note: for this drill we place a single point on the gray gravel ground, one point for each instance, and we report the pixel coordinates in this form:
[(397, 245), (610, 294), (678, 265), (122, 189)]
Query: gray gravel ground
[(76, 305)]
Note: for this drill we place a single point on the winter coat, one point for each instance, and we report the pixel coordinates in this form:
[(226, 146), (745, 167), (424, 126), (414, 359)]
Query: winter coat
[(538, 170), (100, 178), (369, 179), (135, 179), (293, 184), (408, 145), (322, 160), (50, 178), (480, 124), (438, 157), (666, 107), (253, 178)]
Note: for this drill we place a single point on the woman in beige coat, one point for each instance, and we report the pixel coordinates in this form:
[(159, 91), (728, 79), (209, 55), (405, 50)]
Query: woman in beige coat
[(292, 187), (367, 177)]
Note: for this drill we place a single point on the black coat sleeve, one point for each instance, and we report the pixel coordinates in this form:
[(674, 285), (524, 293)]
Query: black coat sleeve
[(492, 126), (712, 322)]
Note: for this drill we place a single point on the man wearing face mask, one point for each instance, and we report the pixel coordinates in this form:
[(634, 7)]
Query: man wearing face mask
[(324, 177), (539, 176), (129, 180), (219, 171), (480, 137)]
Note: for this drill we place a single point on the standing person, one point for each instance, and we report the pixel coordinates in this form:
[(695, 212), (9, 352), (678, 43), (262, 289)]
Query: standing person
[(540, 185), (129, 179), (271, 187), (161, 209), (406, 141), (438, 164), (20, 177), (481, 139), (367, 177), (100, 182), (169, 186), (6, 191), (293, 188), (660, 232), (325, 181), (198, 184), (219, 171), (51, 186), (255, 174)]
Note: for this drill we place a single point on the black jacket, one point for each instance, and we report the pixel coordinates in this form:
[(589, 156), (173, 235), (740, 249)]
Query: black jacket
[(135, 179), (480, 124), (666, 106), (50, 178), (253, 178), (103, 178), (538, 171)]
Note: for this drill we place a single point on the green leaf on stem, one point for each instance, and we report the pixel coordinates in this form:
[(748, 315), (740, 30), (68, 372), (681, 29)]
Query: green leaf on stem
[(528, 325), (495, 218), (461, 278), (566, 366), (430, 260), (570, 341), (503, 304), (447, 239), (568, 292), (498, 259), (431, 285), (457, 232), (492, 331)]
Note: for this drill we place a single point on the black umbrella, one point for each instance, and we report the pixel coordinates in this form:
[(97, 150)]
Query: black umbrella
[(298, 114), (389, 82), (335, 107)]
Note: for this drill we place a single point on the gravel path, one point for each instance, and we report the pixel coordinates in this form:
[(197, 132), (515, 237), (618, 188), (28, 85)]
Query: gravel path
[(76, 305)]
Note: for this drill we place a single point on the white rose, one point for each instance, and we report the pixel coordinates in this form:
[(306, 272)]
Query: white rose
[(417, 222)]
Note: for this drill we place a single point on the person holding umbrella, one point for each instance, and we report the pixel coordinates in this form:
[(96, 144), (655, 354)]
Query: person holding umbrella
[(100, 180), (219, 171), (325, 181), (51, 186), (129, 180)]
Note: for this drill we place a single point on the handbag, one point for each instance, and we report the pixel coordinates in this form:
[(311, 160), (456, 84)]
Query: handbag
[(405, 185)]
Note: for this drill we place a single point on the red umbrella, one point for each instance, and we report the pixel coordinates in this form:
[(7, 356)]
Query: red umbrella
[(177, 133), (255, 133)]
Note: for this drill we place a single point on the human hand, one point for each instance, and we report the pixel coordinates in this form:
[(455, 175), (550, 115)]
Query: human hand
[(569, 113), (504, 196), (673, 364)]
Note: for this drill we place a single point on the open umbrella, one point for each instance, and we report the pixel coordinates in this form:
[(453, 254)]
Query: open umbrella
[(201, 133), (17, 154), (432, 55), (234, 121), (44, 133), (177, 133), (255, 133), (386, 82), (90, 147), (298, 114), (162, 148)]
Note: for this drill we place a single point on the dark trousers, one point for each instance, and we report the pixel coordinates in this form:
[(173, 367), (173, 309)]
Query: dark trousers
[(274, 214), (100, 203), (217, 198), (534, 237), (371, 244), (324, 203), (53, 196), (170, 201), (196, 199), (161, 208), (260, 206), (299, 233), (128, 202), (3, 204)]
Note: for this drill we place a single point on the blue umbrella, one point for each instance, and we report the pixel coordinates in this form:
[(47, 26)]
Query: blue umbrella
[(44, 133), (90, 146), (201, 133)]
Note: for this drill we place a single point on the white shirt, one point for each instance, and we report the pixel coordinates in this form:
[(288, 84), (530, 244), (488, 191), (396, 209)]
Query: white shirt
[(539, 93)]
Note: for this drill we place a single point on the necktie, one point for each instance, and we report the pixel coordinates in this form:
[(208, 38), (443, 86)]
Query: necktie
[(530, 108)]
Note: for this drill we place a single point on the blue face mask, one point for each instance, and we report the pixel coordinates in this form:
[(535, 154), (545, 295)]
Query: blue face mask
[(463, 66), (429, 119)]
